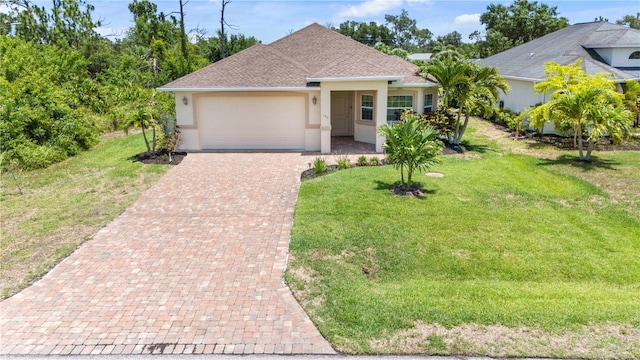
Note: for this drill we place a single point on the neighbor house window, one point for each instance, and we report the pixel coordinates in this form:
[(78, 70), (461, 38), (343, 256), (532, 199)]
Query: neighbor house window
[(366, 108), (396, 104), (428, 103), (635, 55)]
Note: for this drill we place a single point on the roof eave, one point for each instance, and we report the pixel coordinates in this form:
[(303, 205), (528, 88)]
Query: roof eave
[(356, 78), (406, 85), (609, 46), (235, 88)]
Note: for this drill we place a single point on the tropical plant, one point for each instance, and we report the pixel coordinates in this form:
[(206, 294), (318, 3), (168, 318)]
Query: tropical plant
[(342, 161), (320, 165), (410, 145), (449, 74), (632, 98), (474, 89), (362, 161), (588, 105), (374, 161)]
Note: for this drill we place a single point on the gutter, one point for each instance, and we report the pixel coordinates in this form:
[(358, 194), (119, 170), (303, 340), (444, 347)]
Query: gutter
[(356, 78), (235, 88)]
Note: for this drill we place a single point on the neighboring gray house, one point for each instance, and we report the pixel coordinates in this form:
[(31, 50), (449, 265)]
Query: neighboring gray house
[(602, 46)]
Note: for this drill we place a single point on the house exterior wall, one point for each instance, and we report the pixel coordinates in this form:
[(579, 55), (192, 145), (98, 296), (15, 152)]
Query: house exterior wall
[(619, 57), (522, 95), (189, 118), (365, 131)]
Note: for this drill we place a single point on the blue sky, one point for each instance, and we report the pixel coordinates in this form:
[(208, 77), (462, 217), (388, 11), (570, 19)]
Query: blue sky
[(269, 20)]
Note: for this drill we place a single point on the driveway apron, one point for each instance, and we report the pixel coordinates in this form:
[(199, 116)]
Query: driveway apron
[(194, 266)]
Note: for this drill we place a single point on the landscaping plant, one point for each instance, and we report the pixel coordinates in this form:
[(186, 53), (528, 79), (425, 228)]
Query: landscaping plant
[(410, 145), (587, 105), (320, 165)]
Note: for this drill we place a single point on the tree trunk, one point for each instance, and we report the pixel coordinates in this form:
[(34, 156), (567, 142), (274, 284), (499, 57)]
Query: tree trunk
[(146, 141), (183, 39), (223, 37), (456, 138), (589, 149), (464, 128), (154, 139), (579, 138)]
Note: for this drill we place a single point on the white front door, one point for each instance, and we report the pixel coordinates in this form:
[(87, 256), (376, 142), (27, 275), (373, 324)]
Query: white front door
[(341, 114)]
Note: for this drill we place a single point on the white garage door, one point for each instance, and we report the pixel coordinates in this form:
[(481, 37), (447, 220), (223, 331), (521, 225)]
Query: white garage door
[(251, 122)]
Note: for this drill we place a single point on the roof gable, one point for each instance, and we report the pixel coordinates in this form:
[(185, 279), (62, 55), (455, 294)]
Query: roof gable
[(312, 52)]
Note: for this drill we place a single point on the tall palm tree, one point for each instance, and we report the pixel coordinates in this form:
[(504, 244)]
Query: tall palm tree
[(478, 95), (474, 88), (449, 74)]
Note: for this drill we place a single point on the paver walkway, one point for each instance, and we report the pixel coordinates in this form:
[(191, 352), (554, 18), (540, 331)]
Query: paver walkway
[(194, 266)]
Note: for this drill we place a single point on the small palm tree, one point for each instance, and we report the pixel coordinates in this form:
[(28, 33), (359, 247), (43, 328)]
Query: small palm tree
[(410, 145)]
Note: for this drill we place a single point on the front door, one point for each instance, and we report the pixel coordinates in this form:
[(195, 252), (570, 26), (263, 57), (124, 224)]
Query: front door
[(341, 114)]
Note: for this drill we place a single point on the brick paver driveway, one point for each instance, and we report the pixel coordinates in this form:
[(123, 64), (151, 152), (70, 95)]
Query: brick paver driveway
[(194, 266)]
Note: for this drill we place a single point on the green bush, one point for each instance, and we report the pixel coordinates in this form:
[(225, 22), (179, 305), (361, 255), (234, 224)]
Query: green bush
[(507, 118), (362, 161), (442, 120), (42, 117), (343, 161), (320, 165)]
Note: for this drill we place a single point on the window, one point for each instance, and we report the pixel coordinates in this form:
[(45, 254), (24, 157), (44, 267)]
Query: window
[(366, 108), (635, 55), (428, 103), (396, 104)]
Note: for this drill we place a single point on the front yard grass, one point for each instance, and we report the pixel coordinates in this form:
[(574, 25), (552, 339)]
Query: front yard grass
[(65, 205), (507, 255)]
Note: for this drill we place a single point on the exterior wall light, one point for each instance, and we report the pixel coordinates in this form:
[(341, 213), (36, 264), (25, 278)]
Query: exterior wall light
[(185, 100), (314, 100)]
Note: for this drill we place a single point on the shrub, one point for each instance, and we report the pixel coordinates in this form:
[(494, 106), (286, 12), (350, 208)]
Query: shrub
[(375, 161), (362, 161), (320, 165), (343, 161), (442, 120)]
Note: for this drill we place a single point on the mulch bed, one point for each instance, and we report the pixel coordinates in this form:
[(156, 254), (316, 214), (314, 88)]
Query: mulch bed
[(162, 159), (603, 144)]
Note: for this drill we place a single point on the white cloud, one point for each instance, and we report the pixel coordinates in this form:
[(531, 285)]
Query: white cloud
[(370, 8), (420, 2), (467, 19)]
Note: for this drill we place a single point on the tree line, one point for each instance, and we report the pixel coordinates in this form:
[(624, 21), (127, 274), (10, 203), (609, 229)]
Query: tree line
[(506, 26)]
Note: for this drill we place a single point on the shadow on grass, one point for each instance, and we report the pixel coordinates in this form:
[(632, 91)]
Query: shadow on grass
[(574, 161), (465, 146), (416, 186)]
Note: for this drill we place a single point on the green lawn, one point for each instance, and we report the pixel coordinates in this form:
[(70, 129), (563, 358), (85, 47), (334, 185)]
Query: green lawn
[(66, 204), (509, 240)]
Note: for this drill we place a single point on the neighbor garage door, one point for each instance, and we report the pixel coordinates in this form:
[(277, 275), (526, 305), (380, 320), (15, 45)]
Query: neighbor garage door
[(260, 121)]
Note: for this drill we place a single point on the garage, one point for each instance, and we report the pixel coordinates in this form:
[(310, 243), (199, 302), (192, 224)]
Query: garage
[(260, 121)]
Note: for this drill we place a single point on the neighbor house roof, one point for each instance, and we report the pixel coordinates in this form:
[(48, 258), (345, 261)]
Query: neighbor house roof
[(564, 47), (313, 53)]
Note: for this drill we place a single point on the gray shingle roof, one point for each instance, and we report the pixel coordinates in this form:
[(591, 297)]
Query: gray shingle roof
[(564, 47), (312, 52)]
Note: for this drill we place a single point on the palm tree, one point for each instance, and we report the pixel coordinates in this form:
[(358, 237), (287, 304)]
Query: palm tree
[(477, 96), (449, 74), (588, 105), (474, 88), (411, 145)]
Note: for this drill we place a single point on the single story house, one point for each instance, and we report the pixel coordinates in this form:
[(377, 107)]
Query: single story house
[(296, 93), (602, 47)]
